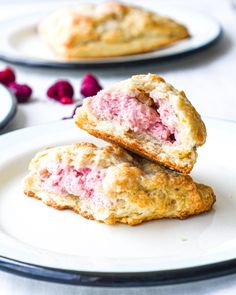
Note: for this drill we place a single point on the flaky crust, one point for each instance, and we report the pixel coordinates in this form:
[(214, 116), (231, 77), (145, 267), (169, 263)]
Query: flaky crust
[(192, 130), (133, 146), (133, 189), (108, 29)]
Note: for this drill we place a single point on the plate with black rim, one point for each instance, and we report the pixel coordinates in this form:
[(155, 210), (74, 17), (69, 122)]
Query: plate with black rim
[(21, 44), (8, 106), (41, 242)]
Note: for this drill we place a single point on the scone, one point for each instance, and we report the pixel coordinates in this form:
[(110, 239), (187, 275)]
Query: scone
[(108, 29), (110, 185), (147, 116)]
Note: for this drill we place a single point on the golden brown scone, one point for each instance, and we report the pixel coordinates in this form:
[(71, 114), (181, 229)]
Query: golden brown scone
[(108, 29), (110, 185), (147, 116)]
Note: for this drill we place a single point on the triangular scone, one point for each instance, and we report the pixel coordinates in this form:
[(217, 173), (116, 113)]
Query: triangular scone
[(110, 185), (147, 116), (108, 29)]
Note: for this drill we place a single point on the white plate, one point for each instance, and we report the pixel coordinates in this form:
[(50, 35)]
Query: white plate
[(31, 232), (21, 44), (7, 106)]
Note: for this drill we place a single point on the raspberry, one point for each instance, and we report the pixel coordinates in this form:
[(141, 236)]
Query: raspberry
[(21, 91), (89, 86), (66, 100), (60, 89), (7, 76)]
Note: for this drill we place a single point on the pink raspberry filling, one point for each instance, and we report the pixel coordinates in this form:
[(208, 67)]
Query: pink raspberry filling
[(64, 179), (159, 121)]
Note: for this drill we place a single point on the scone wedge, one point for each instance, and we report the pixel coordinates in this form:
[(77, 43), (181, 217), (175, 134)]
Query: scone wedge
[(108, 29), (110, 185), (147, 116)]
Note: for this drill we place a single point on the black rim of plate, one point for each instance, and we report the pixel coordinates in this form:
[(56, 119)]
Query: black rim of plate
[(125, 279), (77, 65), (10, 115)]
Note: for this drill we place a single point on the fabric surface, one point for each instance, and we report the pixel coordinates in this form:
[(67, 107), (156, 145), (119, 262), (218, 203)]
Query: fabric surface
[(208, 79)]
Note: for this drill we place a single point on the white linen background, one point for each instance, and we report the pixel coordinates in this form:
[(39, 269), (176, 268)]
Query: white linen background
[(209, 80)]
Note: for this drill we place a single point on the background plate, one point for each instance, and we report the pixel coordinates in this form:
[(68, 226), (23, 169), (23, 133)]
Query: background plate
[(21, 44), (8, 106), (62, 246)]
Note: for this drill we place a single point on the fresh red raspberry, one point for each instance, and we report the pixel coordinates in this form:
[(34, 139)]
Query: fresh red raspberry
[(7, 76), (89, 86), (60, 89), (22, 91), (66, 100)]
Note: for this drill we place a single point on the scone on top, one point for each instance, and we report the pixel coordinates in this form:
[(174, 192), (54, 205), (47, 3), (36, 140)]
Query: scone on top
[(110, 185), (108, 29), (147, 116)]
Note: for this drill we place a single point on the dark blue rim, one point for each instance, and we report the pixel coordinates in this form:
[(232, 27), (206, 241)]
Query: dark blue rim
[(104, 279), (77, 65), (13, 109)]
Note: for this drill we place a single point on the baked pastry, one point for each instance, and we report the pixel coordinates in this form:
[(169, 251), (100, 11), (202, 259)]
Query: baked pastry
[(108, 29), (147, 116), (110, 185)]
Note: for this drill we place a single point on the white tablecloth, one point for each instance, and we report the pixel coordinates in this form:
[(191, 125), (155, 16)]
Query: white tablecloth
[(209, 80)]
